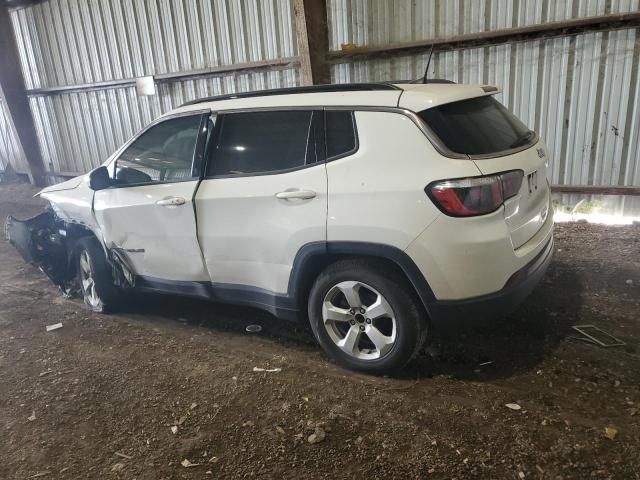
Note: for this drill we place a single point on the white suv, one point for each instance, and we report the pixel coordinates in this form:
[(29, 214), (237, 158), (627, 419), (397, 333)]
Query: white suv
[(373, 210)]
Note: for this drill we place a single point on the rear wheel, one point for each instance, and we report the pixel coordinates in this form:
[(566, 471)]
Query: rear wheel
[(96, 281), (365, 318)]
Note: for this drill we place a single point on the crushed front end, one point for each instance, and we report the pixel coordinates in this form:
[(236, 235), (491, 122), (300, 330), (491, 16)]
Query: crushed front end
[(42, 242)]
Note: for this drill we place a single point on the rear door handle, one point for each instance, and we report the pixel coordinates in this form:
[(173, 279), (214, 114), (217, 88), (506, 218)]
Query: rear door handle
[(171, 201), (296, 193)]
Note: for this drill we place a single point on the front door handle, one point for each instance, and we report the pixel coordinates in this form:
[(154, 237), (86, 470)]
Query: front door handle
[(171, 201), (296, 193)]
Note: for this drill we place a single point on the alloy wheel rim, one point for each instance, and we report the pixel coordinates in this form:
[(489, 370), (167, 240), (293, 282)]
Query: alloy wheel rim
[(359, 320), (88, 282)]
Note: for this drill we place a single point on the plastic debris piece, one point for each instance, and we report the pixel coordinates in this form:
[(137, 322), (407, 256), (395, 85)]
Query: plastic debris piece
[(187, 464), (513, 406), (268, 370), (279, 429), (606, 339), (32, 417), (55, 326), (174, 429), (123, 455), (253, 328), (610, 432)]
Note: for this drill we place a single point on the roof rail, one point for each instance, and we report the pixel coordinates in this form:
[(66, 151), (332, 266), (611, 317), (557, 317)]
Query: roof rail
[(429, 80), (344, 87)]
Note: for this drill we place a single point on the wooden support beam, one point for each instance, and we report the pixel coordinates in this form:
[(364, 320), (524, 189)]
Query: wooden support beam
[(12, 85), (596, 189), (494, 37), (312, 35)]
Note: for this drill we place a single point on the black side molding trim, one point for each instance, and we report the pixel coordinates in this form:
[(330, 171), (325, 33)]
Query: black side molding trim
[(282, 306), (289, 305), (311, 251)]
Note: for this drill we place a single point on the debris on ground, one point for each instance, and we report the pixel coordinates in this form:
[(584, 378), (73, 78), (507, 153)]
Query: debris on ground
[(174, 429), (32, 417), (40, 474), (610, 432), (55, 326), (513, 406), (486, 363), (267, 370), (597, 336), (187, 464), (254, 328), (123, 455), (317, 436), (117, 467)]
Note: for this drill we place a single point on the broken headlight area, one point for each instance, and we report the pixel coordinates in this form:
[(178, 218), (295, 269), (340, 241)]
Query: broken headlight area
[(42, 242)]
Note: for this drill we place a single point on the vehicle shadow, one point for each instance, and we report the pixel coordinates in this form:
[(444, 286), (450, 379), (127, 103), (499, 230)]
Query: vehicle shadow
[(511, 345), (463, 351)]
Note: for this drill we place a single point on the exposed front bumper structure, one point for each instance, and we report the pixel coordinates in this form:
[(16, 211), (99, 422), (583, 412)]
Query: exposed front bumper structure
[(41, 243)]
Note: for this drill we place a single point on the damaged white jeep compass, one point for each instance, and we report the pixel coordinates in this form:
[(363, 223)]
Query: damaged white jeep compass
[(375, 210)]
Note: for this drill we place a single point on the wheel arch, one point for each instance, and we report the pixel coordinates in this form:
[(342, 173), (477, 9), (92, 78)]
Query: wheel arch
[(314, 257)]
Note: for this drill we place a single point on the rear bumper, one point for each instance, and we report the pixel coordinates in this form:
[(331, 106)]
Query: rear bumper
[(495, 305)]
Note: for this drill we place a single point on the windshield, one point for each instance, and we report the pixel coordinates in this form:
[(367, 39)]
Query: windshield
[(477, 126)]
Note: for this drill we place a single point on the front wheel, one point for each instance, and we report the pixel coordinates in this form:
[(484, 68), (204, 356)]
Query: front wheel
[(366, 319), (96, 281)]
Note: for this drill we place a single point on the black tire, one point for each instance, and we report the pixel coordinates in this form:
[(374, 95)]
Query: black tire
[(411, 325), (101, 295)]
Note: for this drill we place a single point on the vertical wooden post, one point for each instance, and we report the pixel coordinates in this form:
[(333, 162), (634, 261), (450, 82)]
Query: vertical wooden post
[(312, 35), (12, 85)]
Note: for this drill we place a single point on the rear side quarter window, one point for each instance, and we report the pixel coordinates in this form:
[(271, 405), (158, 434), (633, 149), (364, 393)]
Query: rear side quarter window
[(341, 136)]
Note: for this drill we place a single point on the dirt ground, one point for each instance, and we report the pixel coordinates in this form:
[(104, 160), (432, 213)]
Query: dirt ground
[(98, 398)]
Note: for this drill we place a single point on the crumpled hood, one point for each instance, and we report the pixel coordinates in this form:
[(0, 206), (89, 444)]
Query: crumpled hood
[(68, 185)]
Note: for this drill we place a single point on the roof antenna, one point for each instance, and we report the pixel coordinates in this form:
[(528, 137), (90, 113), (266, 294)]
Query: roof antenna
[(426, 70)]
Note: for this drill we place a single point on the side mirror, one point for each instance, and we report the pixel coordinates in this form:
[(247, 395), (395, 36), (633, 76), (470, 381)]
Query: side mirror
[(99, 179)]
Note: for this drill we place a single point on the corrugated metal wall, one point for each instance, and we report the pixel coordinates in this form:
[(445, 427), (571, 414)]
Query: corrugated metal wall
[(10, 148), (77, 42), (581, 93)]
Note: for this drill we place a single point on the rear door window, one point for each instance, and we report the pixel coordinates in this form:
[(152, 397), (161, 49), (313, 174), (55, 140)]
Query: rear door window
[(477, 126), (248, 143)]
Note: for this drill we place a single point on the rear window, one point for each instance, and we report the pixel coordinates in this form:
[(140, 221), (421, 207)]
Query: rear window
[(477, 126)]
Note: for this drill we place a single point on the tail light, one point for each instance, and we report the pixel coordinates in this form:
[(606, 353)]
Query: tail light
[(468, 197)]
